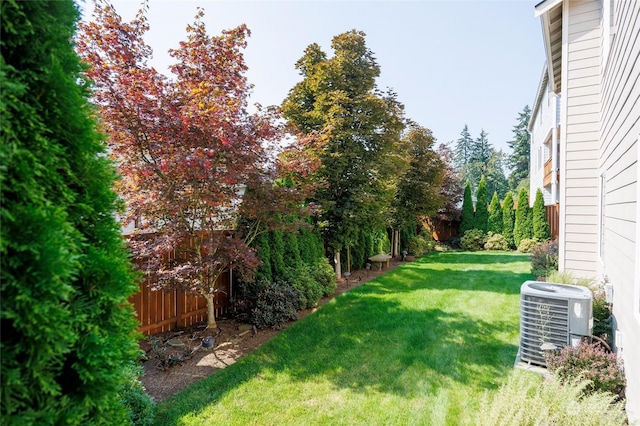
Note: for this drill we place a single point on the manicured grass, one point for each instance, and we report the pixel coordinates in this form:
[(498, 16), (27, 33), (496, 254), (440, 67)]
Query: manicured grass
[(418, 345)]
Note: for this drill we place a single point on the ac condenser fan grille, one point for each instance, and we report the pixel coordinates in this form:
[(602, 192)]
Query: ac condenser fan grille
[(543, 320)]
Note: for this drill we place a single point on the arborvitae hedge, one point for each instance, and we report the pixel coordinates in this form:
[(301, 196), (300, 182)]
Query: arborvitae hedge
[(495, 223), (508, 219), (276, 244), (523, 227), (291, 255), (67, 326), (540, 225), (482, 214), (468, 220), (263, 274)]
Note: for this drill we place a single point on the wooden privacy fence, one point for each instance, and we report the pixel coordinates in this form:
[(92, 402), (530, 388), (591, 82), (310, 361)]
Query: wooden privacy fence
[(160, 310), (553, 217)]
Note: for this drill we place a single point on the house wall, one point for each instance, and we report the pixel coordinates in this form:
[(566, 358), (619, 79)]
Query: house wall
[(619, 146), (541, 129), (579, 148)]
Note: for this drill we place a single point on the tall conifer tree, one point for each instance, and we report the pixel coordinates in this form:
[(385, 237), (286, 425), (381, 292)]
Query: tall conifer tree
[(523, 228), (67, 325), (508, 219), (482, 212), (520, 146), (468, 217), (495, 224), (540, 224)]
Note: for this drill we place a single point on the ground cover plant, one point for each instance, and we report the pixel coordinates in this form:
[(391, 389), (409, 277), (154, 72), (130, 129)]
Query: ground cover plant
[(418, 345)]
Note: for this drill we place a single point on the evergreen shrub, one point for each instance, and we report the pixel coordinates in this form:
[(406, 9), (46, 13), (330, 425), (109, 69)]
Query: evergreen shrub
[(589, 361), (310, 290), (544, 258), (324, 275), (508, 219), (139, 404), (420, 245), (473, 240), (496, 222), (275, 304), (496, 242), (527, 245), (68, 328)]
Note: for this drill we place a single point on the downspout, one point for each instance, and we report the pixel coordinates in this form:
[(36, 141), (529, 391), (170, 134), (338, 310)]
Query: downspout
[(554, 151)]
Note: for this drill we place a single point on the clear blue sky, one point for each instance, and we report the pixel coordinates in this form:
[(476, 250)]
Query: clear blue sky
[(450, 62)]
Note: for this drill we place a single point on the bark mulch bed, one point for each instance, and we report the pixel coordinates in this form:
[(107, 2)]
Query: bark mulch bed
[(176, 359)]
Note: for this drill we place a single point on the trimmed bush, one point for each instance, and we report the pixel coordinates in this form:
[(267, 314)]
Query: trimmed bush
[(588, 361), (544, 258), (539, 218), (420, 245), (482, 212), (137, 401), (523, 226), (508, 219), (276, 244), (467, 222), (496, 242), (324, 275), (495, 223), (275, 304), (302, 280), (527, 399), (527, 245), (473, 240)]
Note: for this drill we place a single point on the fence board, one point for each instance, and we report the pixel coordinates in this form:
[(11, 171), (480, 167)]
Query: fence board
[(160, 310)]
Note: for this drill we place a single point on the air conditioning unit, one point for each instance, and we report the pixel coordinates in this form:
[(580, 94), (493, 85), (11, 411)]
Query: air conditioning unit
[(553, 315)]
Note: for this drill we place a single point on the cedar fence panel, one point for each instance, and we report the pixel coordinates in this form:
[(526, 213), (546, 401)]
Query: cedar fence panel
[(553, 217), (166, 310)]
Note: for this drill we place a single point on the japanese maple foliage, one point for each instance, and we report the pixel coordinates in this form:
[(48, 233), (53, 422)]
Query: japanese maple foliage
[(186, 148)]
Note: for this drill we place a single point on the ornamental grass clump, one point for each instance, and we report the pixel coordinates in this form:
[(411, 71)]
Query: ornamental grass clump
[(588, 361), (527, 399)]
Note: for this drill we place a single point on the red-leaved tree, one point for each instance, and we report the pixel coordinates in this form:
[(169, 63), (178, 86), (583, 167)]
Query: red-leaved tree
[(190, 155)]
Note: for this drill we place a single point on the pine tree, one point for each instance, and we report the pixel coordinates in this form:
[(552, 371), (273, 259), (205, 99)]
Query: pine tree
[(540, 225), (495, 224), (523, 228), (508, 219), (67, 325), (463, 149), (482, 214), (468, 218)]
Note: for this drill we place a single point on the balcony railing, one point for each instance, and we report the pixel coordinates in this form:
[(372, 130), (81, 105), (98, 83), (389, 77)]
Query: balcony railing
[(548, 169)]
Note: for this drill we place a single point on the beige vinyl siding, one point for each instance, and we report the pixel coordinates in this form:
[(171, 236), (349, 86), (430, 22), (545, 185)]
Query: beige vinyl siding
[(619, 134), (579, 168)]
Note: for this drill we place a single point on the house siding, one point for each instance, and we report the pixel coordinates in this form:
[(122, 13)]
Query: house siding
[(619, 134), (579, 150)]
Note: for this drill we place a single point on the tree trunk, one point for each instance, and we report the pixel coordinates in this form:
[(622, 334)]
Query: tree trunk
[(348, 259), (211, 314), (338, 268)]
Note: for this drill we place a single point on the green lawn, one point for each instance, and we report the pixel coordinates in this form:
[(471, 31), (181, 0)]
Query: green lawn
[(418, 345)]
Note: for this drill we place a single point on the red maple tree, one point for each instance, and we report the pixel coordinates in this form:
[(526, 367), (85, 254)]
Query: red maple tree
[(190, 155)]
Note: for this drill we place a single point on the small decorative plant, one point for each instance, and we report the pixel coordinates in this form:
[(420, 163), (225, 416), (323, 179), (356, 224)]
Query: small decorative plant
[(589, 361)]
